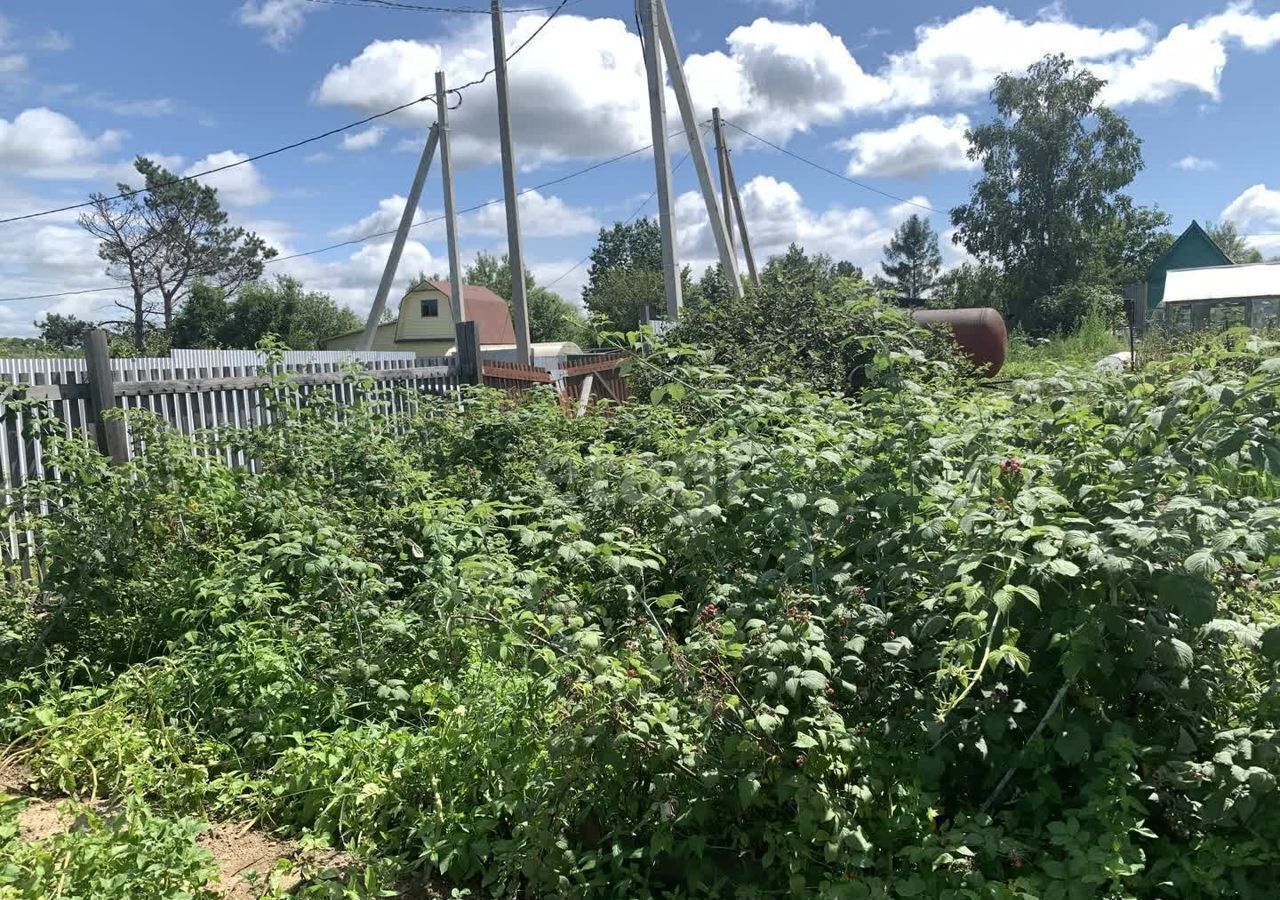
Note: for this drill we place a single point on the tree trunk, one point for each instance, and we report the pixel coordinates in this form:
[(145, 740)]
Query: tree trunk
[(139, 323)]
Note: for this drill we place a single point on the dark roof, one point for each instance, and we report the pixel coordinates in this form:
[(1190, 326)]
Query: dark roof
[(489, 311)]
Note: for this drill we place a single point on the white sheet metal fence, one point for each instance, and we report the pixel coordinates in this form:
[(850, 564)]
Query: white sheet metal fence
[(196, 399)]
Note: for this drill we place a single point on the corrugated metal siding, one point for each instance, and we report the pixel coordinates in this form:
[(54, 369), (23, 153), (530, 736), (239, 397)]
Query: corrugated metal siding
[(1222, 283), (197, 358)]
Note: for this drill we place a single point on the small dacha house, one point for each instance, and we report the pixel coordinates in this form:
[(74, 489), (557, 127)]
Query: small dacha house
[(425, 325)]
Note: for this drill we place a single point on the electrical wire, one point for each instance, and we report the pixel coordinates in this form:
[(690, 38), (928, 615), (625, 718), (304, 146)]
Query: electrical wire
[(377, 234), (414, 7), (635, 215), (124, 195), (822, 168)]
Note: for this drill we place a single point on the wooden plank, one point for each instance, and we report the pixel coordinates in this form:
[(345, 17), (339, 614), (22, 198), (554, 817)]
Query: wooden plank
[(112, 440), (590, 368), (47, 392), (255, 382), (584, 395)]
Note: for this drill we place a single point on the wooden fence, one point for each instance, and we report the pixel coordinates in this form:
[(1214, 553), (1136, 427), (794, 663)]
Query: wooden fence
[(215, 399)]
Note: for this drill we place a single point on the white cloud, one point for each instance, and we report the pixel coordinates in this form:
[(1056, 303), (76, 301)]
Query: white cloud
[(778, 215), (959, 59), (363, 140), (279, 20), (578, 90), (12, 64), (146, 109), (241, 186), (1189, 58), (541, 216), (54, 41), (912, 149), (1256, 209), (41, 143), (1195, 164)]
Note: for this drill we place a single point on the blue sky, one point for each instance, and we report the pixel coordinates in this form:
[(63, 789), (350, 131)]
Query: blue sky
[(881, 92)]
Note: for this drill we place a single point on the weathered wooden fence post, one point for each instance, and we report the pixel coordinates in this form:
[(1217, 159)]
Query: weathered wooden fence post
[(470, 366), (113, 440)]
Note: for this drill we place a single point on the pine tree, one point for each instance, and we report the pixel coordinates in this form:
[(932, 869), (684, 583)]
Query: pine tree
[(912, 262)]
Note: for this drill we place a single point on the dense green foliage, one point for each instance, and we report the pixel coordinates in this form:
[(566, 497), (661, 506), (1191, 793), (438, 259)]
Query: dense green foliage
[(300, 318), (748, 640)]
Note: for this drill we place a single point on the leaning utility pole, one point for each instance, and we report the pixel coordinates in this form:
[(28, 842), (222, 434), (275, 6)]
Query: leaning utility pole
[(728, 260), (742, 220), (402, 235), (515, 251), (674, 290), (722, 161), (456, 294)]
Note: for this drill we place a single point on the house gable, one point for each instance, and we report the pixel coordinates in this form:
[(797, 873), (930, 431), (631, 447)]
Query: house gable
[(425, 315), (1193, 249)]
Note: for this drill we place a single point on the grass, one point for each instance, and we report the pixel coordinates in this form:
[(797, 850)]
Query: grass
[(1089, 343)]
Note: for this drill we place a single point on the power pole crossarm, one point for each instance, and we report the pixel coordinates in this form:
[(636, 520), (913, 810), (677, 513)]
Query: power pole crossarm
[(459, 303), (515, 249), (402, 235), (728, 260)]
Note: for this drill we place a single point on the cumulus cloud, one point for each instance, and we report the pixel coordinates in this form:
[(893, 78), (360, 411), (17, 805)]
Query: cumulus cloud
[(363, 140), (41, 143), (541, 216), (241, 186), (579, 89), (1195, 164), (1191, 57), (1256, 208), (279, 20), (778, 215), (912, 149)]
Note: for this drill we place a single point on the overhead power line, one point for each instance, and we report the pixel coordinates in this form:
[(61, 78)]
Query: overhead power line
[(415, 7), (377, 234), (124, 195), (822, 168)]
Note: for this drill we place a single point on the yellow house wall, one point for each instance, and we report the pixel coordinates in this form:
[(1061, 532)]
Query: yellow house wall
[(413, 326)]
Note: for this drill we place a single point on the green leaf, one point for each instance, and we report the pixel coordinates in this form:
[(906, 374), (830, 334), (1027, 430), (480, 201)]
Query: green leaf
[(1202, 562), (1191, 597), (768, 722), (1073, 744), (828, 506), (1064, 567), (804, 741), (797, 500), (1270, 646), (1175, 653)]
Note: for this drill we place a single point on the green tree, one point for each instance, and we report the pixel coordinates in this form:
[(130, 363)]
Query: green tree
[(551, 317), (912, 262), (301, 318), (970, 285), (626, 275), (201, 321), (1054, 164), (162, 240), (64, 332), (1227, 237), (797, 269)]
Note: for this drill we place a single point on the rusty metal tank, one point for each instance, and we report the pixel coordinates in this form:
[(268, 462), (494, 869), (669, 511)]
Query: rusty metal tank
[(980, 333)]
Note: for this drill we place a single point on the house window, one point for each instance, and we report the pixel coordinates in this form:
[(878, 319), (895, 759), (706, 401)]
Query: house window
[(431, 309)]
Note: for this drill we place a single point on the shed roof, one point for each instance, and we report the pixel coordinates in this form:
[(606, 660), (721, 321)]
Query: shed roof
[(1222, 283)]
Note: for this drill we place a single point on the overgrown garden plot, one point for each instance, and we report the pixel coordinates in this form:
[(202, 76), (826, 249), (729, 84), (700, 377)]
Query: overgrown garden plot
[(747, 640)]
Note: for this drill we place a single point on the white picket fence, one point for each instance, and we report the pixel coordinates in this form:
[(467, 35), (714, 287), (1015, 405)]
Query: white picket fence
[(210, 395)]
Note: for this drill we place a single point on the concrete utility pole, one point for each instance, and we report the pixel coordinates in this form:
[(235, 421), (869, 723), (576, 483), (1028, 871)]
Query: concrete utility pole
[(722, 160), (728, 261), (742, 220), (519, 302), (674, 290), (450, 213), (402, 235)]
